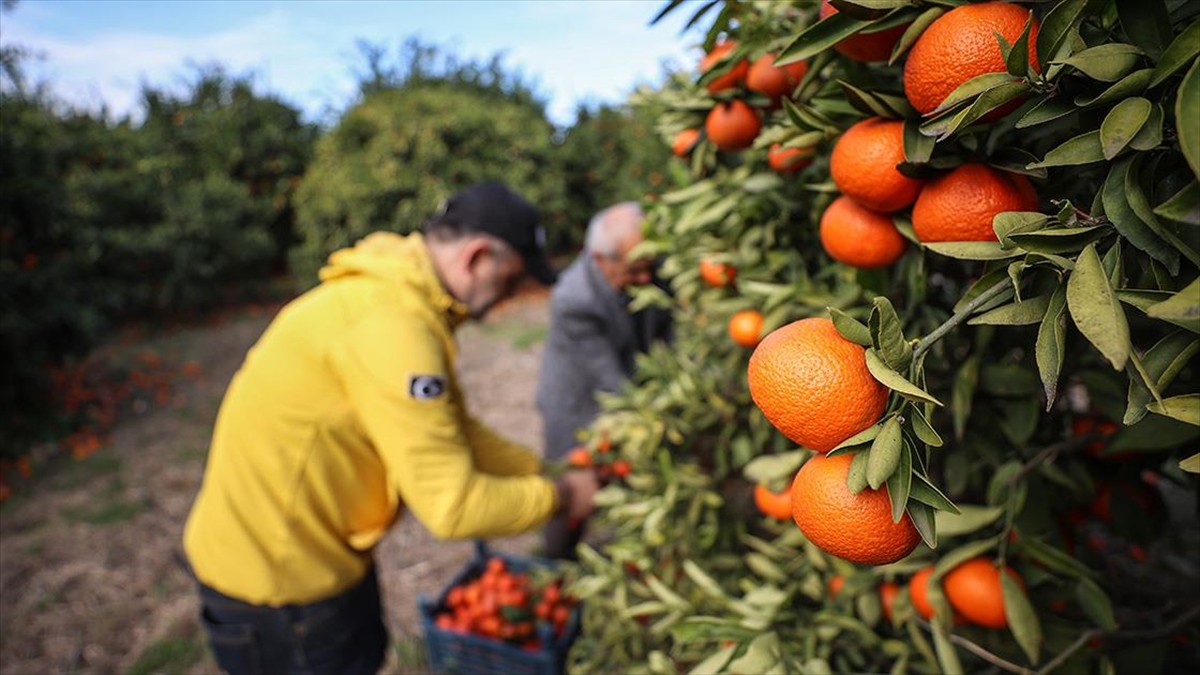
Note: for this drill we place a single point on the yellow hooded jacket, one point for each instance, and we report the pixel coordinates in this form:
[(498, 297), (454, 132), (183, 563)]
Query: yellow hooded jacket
[(346, 410)]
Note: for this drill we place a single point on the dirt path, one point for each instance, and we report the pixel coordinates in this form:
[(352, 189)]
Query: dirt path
[(88, 579)]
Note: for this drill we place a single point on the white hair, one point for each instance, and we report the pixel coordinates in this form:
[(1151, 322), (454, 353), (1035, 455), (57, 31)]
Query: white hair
[(610, 226)]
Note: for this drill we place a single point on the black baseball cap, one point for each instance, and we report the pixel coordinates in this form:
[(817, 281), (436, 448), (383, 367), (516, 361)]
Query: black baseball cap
[(492, 208)]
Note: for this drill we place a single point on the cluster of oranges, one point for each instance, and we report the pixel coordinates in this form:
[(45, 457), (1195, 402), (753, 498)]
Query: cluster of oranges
[(972, 589), (603, 461), (505, 605), (745, 327), (857, 228), (813, 385), (746, 91)]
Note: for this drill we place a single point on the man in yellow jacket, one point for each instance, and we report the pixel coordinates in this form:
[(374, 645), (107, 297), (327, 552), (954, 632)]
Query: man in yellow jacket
[(347, 411)]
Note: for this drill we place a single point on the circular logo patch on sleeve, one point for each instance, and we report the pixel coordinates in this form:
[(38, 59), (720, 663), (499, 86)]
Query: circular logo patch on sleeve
[(426, 386)]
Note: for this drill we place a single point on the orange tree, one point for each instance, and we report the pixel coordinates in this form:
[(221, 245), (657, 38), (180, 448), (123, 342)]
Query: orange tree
[(1034, 339)]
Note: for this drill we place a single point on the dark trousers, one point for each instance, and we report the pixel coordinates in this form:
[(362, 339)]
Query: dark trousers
[(343, 634)]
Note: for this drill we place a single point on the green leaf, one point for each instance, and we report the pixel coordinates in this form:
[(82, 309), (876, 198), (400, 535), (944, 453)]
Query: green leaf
[(971, 89), (924, 492), (895, 381), (1140, 206), (1154, 432), (1191, 464), (1184, 48), (1022, 620), (914, 31), (1017, 60), (762, 182), (1095, 309), (1058, 240), (972, 250), (861, 438), (1046, 110), (960, 555), (885, 453), (1107, 62), (715, 662), (1147, 23), (1181, 309), (819, 37), (849, 327), (1130, 85), (1056, 29), (963, 393), (946, 124), (1082, 149), (1054, 559), (1095, 603), (1024, 313), (1150, 134), (1187, 111), (923, 429), (1162, 363), (1185, 408), (1122, 123), (1013, 222), (870, 103), (917, 146), (1127, 222), (948, 660), (856, 479), (899, 485), (923, 520), (869, 9), (970, 518), (887, 335), (1184, 206)]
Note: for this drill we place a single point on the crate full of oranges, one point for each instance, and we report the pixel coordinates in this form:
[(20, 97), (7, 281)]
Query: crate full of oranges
[(500, 614)]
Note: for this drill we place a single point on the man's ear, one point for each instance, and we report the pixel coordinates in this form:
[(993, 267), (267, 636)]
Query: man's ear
[(475, 252)]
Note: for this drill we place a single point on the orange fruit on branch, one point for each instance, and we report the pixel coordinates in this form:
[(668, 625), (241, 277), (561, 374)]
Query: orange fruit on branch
[(745, 327), (863, 165), (887, 598), (859, 237), (684, 142), (960, 205), (854, 527), (866, 47), (788, 160), (732, 125), (960, 45), (973, 589), (736, 74), (717, 274), (813, 384), (775, 504), (918, 592), (773, 81)]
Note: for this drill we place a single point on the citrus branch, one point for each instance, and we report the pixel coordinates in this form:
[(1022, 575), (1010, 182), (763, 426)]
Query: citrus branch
[(1071, 649), (960, 316), (981, 652)]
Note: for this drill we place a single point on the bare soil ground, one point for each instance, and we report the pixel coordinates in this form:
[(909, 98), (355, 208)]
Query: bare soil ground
[(89, 581)]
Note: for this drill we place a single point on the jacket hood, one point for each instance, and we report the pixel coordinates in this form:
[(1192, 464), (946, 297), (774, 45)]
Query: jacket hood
[(399, 259)]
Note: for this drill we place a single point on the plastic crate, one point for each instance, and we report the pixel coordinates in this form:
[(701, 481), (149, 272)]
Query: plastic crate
[(452, 653)]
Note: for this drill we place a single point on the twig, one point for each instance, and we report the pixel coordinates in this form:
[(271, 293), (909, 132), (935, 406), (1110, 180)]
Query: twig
[(1050, 451), (981, 652), (1071, 649), (960, 316)]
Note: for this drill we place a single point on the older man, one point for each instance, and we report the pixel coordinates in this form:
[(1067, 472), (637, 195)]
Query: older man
[(593, 339)]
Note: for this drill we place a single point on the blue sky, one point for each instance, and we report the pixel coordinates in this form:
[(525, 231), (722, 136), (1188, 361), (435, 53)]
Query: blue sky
[(575, 51)]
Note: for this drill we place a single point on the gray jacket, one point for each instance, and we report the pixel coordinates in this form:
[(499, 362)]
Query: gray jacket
[(591, 346)]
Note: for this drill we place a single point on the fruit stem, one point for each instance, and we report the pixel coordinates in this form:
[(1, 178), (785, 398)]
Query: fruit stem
[(960, 316)]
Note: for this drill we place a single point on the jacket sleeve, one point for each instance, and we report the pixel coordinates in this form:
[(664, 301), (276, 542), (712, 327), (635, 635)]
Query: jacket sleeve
[(497, 455), (422, 438)]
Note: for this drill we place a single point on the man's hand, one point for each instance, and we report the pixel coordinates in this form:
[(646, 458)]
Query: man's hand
[(576, 493)]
